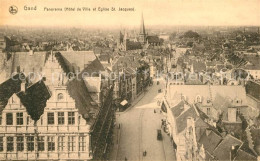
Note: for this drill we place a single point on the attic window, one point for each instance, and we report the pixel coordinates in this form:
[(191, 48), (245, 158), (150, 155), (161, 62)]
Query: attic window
[(198, 99), (208, 101), (60, 96)]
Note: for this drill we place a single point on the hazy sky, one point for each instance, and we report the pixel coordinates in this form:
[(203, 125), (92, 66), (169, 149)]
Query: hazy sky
[(156, 12)]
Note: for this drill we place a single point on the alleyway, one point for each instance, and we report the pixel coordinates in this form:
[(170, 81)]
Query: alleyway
[(138, 130)]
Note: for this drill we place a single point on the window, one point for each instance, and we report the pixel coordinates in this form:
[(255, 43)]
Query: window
[(1, 143), (10, 143), (71, 118), (198, 99), (19, 118), (60, 96), (9, 119), (41, 143), (20, 143), (50, 118), (82, 143), (30, 143), (61, 144), (208, 111), (238, 110), (60, 118), (208, 100), (27, 120), (71, 143), (51, 143)]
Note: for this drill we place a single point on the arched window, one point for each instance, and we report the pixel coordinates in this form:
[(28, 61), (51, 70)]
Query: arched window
[(183, 97), (60, 96), (198, 98)]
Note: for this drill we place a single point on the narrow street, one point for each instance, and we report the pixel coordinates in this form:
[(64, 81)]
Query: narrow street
[(138, 129)]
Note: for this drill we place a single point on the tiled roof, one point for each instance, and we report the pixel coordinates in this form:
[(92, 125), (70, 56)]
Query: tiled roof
[(29, 63), (77, 59), (254, 63), (210, 140), (34, 99), (83, 101), (244, 156), (221, 95), (8, 88), (178, 109), (255, 133), (198, 66), (182, 119), (253, 89), (222, 151)]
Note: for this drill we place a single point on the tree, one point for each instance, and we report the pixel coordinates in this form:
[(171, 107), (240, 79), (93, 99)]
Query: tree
[(191, 34), (172, 36)]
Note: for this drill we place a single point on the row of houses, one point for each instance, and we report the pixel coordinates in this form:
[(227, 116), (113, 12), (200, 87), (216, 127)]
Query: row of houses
[(130, 72), (207, 122)]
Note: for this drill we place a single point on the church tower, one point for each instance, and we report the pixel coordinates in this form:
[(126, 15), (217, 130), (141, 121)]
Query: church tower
[(142, 34)]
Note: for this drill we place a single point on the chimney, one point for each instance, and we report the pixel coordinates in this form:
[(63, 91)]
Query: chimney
[(232, 114), (23, 86), (31, 52)]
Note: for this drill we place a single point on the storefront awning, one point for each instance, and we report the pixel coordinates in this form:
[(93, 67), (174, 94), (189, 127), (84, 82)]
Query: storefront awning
[(123, 103)]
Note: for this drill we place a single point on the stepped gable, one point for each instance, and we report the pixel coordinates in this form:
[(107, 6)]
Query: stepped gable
[(72, 61), (83, 101), (8, 88), (34, 98)]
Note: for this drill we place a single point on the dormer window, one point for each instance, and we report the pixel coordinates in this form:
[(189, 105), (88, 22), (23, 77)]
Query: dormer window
[(198, 98), (208, 100), (60, 97), (183, 97)]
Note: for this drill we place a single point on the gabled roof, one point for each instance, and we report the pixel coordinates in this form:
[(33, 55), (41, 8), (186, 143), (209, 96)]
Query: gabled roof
[(244, 156), (178, 109), (83, 101), (29, 63), (34, 98), (253, 89), (254, 63), (93, 68), (76, 59), (210, 140), (222, 151), (182, 119), (222, 96), (8, 88)]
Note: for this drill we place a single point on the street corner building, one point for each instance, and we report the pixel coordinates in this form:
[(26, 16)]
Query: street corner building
[(63, 119)]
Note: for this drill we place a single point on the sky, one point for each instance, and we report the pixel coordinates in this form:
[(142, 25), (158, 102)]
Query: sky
[(155, 12)]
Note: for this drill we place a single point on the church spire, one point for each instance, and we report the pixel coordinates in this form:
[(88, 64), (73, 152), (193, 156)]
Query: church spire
[(142, 35), (142, 28)]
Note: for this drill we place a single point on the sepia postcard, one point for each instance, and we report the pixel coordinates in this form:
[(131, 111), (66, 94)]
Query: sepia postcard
[(130, 80)]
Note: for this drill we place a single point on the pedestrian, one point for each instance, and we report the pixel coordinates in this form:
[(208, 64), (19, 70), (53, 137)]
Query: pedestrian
[(125, 159), (119, 126), (145, 153), (154, 111)]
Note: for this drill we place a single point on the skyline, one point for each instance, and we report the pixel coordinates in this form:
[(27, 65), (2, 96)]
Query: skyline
[(156, 13)]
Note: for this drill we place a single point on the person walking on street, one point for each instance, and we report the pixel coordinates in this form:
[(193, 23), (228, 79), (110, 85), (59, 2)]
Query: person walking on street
[(125, 159)]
